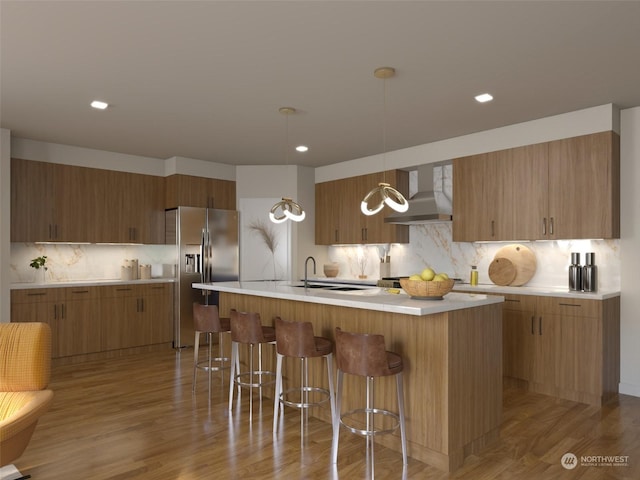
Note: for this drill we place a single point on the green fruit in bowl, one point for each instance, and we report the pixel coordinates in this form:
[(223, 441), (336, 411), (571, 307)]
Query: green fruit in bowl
[(415, 277), (444, 275), (427, 274), (439, 277)]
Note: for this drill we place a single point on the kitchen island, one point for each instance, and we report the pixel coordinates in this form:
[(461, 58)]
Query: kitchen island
[(452, 350)]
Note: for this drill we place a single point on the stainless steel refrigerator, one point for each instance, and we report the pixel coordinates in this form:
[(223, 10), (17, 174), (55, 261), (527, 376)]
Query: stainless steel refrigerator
[(206, 242)]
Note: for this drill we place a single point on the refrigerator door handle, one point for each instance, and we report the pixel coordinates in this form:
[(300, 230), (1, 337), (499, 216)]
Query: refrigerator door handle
[(201, 263)]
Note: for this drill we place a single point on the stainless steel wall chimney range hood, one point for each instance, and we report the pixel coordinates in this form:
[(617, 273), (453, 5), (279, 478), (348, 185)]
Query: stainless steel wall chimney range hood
[(434, 198)]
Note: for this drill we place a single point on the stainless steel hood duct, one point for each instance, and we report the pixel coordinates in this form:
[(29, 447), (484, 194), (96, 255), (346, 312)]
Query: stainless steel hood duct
[(433, 201)]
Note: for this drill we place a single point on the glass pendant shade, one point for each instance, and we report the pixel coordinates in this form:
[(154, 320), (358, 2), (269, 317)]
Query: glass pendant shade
[(384, 194), (286, 209)]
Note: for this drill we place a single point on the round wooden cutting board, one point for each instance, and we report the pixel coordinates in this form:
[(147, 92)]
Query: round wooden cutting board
[(502, 271), (523, 259)]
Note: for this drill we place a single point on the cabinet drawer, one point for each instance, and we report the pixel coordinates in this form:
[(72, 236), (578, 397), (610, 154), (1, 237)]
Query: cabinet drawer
[(520, 303), (112, 291), (157, 289), (570, 307), (81, 293), (37, 295)]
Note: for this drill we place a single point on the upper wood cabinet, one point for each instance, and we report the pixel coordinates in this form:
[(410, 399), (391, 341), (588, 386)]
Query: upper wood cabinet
[(63, 203), (338, 216), (50, 202), (555, 190), (133, 208), (190, 191)]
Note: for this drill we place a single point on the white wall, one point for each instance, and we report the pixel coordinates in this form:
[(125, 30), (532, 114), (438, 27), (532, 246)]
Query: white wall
[(5, 223), (630, 251), (572, 124), (285, 181)]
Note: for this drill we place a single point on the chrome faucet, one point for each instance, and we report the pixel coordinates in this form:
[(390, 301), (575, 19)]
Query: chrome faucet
[(305, 269)]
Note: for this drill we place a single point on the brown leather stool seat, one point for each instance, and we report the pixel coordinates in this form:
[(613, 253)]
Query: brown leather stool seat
[(297, 340), (247, 329), (207, 320), (365, 355)]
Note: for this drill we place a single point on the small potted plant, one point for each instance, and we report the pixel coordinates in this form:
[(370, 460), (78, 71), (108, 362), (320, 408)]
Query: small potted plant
[(39, 263)]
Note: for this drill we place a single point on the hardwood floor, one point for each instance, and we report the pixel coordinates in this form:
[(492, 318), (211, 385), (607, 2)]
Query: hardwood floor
[(136, 418)]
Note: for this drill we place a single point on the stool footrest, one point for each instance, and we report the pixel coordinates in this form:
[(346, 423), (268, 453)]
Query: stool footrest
[(204, 364), (302, 390), (259, 373), (366, 411)]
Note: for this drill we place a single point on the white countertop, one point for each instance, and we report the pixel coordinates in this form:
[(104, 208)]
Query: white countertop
[(369, 298), (542, 291), (88, 283)]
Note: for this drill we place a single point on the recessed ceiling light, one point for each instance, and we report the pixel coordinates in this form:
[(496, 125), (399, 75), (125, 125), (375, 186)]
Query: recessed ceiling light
[(99, 105), (485, 97), (302, 148)]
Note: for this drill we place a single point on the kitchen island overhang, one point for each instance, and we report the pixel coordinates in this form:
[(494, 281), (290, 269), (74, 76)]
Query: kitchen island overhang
[(452, 351)]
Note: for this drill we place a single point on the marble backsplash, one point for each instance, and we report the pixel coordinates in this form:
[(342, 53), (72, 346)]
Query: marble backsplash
[(432, 245), (74, 262)]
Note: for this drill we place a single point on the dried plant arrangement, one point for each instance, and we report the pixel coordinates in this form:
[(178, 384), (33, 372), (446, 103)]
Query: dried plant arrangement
[(265, 231)]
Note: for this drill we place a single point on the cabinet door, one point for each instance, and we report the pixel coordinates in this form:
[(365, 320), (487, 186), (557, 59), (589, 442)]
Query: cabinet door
[(192, 191), (546, 334), (158, 308), (517, 343), (119, 306), (584, 179), (529, 176), (79, 329), (327, 214), (480, 209), (32, 201), (39, 305)]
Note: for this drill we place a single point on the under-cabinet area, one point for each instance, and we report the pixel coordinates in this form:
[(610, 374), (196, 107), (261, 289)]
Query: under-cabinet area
[(93, 319)]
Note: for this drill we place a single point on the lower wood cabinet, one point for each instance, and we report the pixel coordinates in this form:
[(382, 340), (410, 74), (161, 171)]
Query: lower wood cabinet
[(565, 347), (86, 320)]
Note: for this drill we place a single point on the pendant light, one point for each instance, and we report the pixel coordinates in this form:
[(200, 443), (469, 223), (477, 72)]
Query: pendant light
[(286, 209), (384, 193)]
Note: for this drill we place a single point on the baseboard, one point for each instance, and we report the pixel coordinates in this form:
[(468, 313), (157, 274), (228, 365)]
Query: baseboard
[(629, 389)]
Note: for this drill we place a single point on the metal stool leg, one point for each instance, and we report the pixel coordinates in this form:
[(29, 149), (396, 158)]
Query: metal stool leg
[(278, 392), (195, 361), (403, 435), (235, 368), (336, 420)]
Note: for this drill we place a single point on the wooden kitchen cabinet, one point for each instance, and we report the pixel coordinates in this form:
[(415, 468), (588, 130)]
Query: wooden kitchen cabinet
[(565, 347), (482, 208), (338, 216), (64, 203), (192, 191), (133, 209), (136, 315), (565, 189), (72, 314), (50, 202), (584, 187)]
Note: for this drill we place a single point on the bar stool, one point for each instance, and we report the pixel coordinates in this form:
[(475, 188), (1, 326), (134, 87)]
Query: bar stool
[(365, 355), (296, 340), (247, 328), (206, 320)]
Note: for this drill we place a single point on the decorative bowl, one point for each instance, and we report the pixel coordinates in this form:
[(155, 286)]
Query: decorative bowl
[(423, 290), (331, 269)]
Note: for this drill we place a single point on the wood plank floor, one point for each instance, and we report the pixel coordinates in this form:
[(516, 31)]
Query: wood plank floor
[(136, 418)]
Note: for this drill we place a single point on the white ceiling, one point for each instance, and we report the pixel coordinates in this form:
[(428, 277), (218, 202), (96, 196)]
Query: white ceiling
[(205, 79)]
